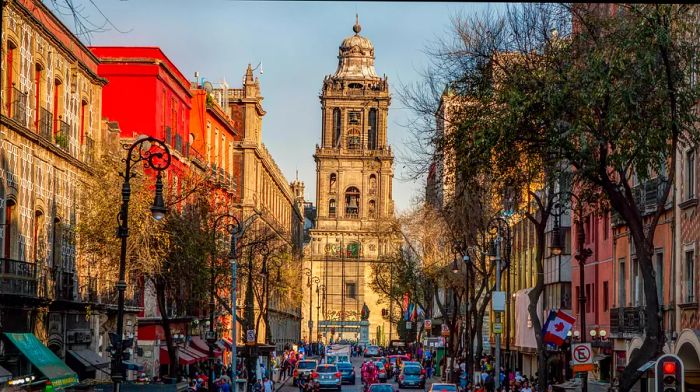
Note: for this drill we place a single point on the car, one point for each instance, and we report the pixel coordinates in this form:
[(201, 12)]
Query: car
[(405, 363), (303, 370), (381, 371), (328, 376), (442, 387), (347, 372), (412, 376), (372, 351), (381, 388)]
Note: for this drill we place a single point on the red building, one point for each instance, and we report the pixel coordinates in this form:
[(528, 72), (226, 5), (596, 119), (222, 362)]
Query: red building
[(147, 95)]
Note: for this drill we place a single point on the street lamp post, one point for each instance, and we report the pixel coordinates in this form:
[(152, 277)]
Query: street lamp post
[(211, 335), (318, 308), (155, 155), (582, 254), (236, 232), (499, 225), (309, 282)]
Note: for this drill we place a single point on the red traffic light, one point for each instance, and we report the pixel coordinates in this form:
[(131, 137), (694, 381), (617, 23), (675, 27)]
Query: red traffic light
[(669, 367)]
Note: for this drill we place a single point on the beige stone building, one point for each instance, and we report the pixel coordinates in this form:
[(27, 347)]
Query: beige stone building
[(354, 167)]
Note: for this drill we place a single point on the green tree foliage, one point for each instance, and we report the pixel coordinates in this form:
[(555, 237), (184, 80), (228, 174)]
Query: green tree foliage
[(607, 94)]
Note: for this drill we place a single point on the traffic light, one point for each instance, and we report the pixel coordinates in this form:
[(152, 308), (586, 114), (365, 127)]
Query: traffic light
[(669, 374)]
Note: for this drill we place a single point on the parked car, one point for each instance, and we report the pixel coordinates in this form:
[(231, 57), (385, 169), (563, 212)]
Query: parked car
[(347, 372), (328, 376), (381, 371), (441, 387), (372, 351), (381, 388), (412, 376), (303, 370)]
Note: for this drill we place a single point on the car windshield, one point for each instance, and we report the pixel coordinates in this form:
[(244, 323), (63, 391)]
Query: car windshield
[(381, 388), (326, 369), (392, 359), (307, 365), (444, 388), (344, 365), (379, 364), (411, 370)]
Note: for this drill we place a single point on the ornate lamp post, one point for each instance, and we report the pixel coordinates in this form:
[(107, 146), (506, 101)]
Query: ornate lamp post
[(309, 282), (319, 288), (155, 155), (498, 226)]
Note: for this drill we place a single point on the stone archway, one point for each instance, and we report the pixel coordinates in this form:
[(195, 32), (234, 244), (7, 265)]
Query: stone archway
[(688, 350)]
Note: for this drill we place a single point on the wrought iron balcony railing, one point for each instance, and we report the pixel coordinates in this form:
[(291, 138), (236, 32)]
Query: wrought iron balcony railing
[(89, 156), (19, 106), (45, 119), (61, 137), (628, 320), (18, 278)]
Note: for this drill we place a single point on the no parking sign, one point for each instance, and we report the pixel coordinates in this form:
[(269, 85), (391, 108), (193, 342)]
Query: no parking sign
[(582, 356)]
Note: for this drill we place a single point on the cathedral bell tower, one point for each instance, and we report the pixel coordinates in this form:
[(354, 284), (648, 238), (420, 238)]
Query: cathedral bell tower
[(354, 167)]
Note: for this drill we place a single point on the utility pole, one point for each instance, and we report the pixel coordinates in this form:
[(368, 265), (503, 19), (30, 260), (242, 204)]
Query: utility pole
[(497, 368)]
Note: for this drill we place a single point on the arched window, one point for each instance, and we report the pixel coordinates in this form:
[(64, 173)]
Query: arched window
[(353, 139), (331, 183), (336, 127), (352, 202), (372, 209), (331, 208), (372, 136), (10, 229), (38, 223), (372, 184)]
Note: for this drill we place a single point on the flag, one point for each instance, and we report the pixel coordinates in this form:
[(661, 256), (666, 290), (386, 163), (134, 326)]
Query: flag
[(421, 313), (414, 313), (558, 324)]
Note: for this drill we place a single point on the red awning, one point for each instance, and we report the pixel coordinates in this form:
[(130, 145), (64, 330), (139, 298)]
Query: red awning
[(183, 357), (200, 345), (196, 354)]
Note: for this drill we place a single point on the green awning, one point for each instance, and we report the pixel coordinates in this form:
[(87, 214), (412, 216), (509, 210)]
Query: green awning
[(45, 360)]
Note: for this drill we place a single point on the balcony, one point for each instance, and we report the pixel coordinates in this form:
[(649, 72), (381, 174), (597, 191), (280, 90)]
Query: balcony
[(19, 106), (628, 320), (64, 285), (45, 129), (18, 278), (61, 137)]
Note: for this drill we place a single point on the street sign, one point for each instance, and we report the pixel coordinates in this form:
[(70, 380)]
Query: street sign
[(428, 325), (497, 328), (445, 330), (582, 357), (498, 301), (409, 325), (250, 336)]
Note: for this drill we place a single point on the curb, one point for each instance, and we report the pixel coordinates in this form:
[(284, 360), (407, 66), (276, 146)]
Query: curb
[(283, 383)]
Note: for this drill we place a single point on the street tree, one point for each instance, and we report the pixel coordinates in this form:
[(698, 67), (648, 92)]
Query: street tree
[(608, 91)]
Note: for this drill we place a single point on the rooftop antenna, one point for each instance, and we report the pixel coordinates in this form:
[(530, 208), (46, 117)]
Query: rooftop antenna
[(259, 66)]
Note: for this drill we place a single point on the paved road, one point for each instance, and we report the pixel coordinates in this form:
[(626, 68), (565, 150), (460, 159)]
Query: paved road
[(357, 362)]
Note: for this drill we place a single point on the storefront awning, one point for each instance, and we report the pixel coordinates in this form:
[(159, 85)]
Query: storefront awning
[(60, 375), (200, 345), (183, 357), (89, 359)]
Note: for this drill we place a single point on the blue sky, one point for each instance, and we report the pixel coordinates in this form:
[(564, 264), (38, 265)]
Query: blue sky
[(297, 43)]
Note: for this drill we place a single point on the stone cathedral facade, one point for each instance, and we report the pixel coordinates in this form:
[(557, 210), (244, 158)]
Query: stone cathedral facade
[(354, 167)]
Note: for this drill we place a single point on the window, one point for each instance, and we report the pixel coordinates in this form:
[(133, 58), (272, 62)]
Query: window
[(659, 269), (589, 298), (621, 297), (637, 282), (690, 174), (38, 222), (82, 122), (336, 127), (351, 290), (372, 136), (606, 304), (331, 183), (331, 208), (56, 94), (578, 295), (606, 225), (9, 60), (354, 118), (690, 276), (37, 94), (352, 202)]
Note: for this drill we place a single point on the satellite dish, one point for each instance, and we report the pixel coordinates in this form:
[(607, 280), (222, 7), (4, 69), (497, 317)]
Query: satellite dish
[(208, 87)]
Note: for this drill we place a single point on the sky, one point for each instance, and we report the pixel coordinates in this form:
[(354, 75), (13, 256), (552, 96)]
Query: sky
[(297, 43)]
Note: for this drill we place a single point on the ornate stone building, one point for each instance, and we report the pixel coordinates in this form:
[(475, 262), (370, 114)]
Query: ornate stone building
[(354, 167)]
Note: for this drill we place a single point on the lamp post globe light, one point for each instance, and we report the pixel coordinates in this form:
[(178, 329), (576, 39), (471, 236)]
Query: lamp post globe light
[(155, 155)]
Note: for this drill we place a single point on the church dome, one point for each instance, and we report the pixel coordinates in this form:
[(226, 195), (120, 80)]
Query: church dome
[(356, 57)]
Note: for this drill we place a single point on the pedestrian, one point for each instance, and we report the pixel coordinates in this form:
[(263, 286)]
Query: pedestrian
[(267, 385)]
